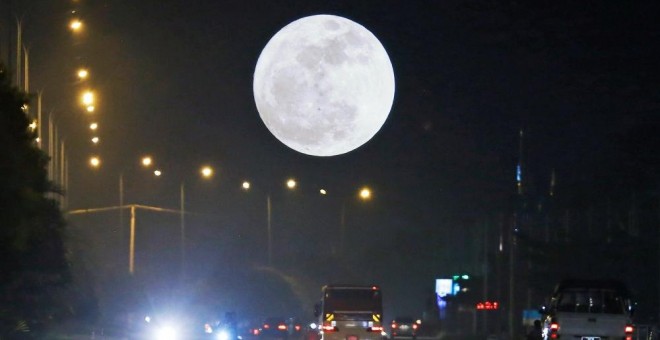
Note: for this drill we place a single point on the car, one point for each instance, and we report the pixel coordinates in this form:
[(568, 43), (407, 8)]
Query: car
[(588, 309), (295, 328), (274, 328), (404, 327)]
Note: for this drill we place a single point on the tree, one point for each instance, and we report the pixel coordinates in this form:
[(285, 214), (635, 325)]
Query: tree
[(33, 266)]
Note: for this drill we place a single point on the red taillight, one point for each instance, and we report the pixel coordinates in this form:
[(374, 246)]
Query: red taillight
[(281, 327), (554, 327), (266, 326), (629, 329), (297, 327), (329, 328), (414, 326), (255, 332), (394, 326), (375, 329)]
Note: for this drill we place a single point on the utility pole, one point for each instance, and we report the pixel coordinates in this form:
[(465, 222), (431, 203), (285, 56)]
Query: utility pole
[(19, 57), (512, 290)]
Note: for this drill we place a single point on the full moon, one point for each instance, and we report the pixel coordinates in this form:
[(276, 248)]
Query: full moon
[(324, 85)]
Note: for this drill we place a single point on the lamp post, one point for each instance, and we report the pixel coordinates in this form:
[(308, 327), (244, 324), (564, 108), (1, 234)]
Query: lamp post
[(290, 184), (364, 194), (206, 172), (133, 207), (146, 162)]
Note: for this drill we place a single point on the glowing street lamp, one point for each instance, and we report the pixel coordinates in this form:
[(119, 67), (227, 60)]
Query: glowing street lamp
[(365, 193), (93, 126), (95, 140), (75, 25), (323, 192), (95, 161), (290, 184), (206, 171), (88, 98), (146, 161), (90, 108), (83, 74)]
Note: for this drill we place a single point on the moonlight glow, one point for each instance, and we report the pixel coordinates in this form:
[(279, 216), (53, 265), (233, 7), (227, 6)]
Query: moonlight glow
[(324, 85)]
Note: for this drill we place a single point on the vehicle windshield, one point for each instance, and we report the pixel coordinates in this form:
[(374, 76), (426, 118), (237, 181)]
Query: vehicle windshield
[(591, 301), (342, 300)]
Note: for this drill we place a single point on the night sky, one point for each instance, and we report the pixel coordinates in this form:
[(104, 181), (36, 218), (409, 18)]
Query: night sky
[(174, 80)]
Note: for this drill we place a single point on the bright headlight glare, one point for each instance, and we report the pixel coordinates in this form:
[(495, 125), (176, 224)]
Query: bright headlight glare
[(166, 333), (223, 335)]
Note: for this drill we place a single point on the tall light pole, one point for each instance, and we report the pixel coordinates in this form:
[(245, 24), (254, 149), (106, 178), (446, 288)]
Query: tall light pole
[(146, 162), (290, 184), (206, 173), (270, 231), (364, 194), (183, 230), (133, 207)]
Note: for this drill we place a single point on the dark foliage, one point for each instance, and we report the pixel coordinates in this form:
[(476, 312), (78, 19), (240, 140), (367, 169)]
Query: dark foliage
[(33, 264)]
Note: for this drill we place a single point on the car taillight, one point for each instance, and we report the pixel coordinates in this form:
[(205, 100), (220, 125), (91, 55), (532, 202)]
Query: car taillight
[(329, 328), (375, 329), (266, 326), (255, 332), (415, 326), (281, 327), (297, 327), (629, 331), (554, 328), (394, 326)]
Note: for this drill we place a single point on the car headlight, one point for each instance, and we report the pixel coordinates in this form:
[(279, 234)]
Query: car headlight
[(166, 333), (223, 335)]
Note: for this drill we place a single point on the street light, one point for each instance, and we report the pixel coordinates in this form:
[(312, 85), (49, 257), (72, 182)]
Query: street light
[(95, 161), (88, 98), (291, 185), (83, 74), (93, 126), (95, 140), (75, 25), (364, 194), (146, 161), (207, 173)]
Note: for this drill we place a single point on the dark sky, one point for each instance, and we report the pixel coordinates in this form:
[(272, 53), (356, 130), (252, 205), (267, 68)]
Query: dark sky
[(174, 80)]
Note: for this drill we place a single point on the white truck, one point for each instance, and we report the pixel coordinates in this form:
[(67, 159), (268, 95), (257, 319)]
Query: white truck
[(588, 310)]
